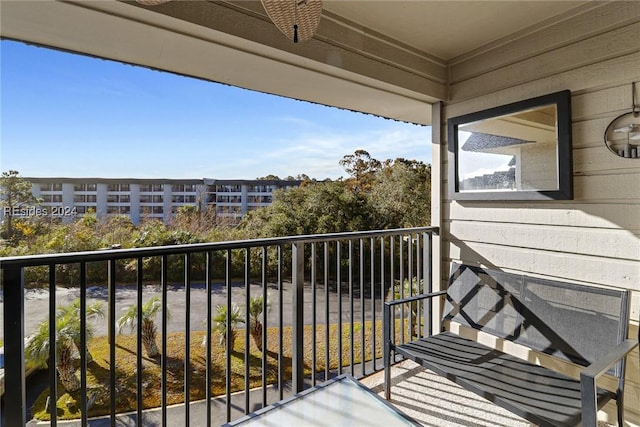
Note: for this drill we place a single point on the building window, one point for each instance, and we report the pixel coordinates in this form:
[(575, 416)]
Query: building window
[(50, 187), (122, 210), (52, 198), (183, 188), (118, 187)]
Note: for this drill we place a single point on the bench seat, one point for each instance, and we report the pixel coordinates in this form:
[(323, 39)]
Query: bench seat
[(586, 326), (540, 395)]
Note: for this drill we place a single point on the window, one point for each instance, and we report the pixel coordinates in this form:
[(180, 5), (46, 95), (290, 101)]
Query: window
[(84, 198), (122, 210), (183, 188), (151, 188), (115, 198), (52, 198), (118, 187), (50, 187)]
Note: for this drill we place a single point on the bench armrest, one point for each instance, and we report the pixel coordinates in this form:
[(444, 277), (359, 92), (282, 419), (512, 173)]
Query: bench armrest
[(386, 321), (414, 298), (588, 391)]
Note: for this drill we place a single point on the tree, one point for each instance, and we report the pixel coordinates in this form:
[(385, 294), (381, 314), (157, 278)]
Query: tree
[(405, 290), (68, 336), (322, 207), (72, 312), (149, 331), (15, 192), (256, 308), (220, 324), (269, 177), (361, 166), (401, 195)]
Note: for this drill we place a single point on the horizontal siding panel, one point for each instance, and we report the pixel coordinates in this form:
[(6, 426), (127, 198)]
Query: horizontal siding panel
[(600, 159), (572, 267), (620, 244), (573, 29), (590, 133), (567, 214), (602, 102), (513, 84), (607, 187), (613, 44)]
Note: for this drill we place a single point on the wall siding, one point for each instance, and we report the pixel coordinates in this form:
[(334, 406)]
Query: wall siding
[(595, 238)]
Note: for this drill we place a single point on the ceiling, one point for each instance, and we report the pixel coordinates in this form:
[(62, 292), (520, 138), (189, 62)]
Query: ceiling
[(386, 57), (448, 29)]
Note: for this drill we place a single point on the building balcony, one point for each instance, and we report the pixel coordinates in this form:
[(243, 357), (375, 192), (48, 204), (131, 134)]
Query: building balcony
[(319, 301)]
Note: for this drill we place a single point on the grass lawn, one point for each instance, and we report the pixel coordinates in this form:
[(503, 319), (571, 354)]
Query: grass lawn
[(126, 375)]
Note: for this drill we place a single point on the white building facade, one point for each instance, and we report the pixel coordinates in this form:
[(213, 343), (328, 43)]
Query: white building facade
[(150, 198)]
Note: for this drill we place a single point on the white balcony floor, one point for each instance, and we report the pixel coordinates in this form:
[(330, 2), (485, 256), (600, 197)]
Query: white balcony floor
[(435, 401)]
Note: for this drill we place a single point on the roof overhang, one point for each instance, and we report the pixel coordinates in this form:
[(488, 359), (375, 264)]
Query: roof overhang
[(222, 43)]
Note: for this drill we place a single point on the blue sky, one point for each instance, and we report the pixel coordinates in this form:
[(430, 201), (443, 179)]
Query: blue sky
[(75, 116)]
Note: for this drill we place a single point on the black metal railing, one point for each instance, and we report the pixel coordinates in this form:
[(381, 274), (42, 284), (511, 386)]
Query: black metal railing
[(322, 298)]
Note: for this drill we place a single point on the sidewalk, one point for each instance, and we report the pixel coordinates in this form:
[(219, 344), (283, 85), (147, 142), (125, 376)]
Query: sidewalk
[(176, 413)]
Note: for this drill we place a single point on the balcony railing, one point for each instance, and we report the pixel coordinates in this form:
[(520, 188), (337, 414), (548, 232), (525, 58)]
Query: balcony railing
[(310, 285)]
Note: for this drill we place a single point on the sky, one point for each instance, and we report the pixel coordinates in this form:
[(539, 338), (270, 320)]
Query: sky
[(68, 115)]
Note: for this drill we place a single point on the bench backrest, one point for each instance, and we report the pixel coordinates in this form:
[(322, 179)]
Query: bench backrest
[(569, 321)]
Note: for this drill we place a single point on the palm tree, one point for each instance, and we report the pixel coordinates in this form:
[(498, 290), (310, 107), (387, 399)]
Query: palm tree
[(220, 324), (255, 322), (405, 290), (149, 331), (72, 312), (67, 335)]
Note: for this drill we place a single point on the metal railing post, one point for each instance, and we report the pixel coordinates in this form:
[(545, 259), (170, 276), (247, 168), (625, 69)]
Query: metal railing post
[(15, 397), (297, 282), (427, 242)]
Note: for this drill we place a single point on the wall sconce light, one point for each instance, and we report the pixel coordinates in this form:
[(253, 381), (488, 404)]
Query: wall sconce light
[(622, 136)]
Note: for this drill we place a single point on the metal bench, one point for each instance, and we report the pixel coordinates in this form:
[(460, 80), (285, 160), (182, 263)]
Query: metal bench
[(584, 325)]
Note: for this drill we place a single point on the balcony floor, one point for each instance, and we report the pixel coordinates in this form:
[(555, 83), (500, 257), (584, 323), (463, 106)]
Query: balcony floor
[(435, 401)]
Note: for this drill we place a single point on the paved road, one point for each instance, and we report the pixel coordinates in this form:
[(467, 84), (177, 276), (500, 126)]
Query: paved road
[(37, 304)]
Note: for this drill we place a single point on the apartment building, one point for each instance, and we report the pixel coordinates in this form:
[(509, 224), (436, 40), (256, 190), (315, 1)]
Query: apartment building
[(150, 198)]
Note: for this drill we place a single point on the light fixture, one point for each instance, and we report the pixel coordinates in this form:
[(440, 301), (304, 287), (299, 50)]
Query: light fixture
[(298, 20), (622, 136)]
